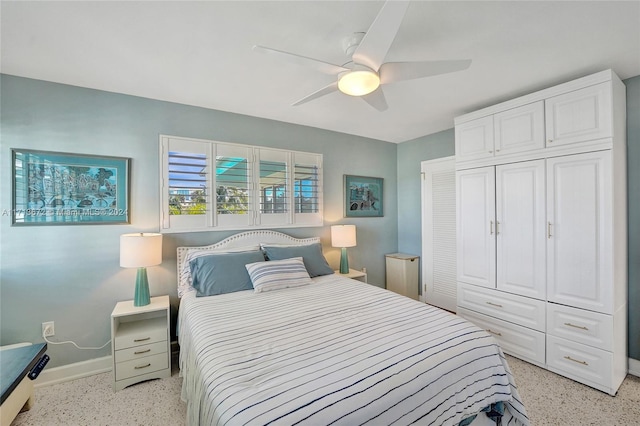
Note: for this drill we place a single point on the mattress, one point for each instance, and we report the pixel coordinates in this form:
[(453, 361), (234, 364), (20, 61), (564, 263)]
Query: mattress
[(336, 352)]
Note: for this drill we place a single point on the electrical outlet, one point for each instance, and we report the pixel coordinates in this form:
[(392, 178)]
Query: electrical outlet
[(48, 329)]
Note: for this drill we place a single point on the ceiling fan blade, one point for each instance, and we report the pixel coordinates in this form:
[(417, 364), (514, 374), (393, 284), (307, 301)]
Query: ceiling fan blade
[(321, 66), (333, 87), (391, 72), (376, 99), (376, 42)]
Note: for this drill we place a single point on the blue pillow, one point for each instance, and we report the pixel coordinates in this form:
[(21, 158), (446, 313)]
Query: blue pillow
[(311, 255), (223, 273)]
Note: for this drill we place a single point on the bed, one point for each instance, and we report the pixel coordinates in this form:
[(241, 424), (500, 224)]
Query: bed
[(327, 350)]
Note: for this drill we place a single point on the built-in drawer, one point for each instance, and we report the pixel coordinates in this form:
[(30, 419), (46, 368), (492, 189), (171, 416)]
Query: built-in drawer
[(141, 351), (587, 327), (581, 362), (515, 340), (137, 367), (505, 306), (138, 333)]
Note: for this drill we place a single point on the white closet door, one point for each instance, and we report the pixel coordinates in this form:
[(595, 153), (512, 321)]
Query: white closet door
[(579, 231), (520, 228), (476, 211), (439, 233)]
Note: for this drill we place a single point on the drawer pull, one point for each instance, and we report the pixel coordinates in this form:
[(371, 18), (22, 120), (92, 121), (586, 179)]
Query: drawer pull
[(494, 304), (575, 360), (138, 367), (142, 352), (142, 340), (488, 330), (568, 324)]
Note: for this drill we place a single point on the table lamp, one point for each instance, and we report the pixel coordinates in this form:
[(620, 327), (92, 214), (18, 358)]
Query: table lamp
[(343, 236), (139, 251)]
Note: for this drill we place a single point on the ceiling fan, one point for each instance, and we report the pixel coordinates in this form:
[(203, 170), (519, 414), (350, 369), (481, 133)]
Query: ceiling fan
[(366, 71)]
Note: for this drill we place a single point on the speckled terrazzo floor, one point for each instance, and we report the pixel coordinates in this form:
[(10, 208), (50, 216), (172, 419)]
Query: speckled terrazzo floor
[(549, 398)]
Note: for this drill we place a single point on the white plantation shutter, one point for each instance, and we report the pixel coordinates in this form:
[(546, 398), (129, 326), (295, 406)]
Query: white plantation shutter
[(208, 185), (439, 232)]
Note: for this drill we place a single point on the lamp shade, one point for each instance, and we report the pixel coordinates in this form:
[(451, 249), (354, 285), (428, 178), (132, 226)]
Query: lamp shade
[(343, 235), (140, 250)]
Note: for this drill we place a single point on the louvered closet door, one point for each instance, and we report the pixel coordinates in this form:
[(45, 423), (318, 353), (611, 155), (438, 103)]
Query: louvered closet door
[(476, 212), (439, 233), (520, 228)]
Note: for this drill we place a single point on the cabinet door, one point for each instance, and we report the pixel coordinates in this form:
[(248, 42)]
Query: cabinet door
[(475, 223), (579, 231), (520, 228), (474, 139), (519, 129), (579, 116)]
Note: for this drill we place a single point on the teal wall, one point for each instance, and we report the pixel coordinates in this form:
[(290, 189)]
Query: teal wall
[(633, 188), (410, 155), (438, 145), (71, 274)]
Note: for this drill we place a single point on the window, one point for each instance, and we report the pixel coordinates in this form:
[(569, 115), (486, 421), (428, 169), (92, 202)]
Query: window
[(208, 185)]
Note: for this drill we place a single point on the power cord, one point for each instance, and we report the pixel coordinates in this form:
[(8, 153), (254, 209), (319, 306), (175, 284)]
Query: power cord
[(47, 329)]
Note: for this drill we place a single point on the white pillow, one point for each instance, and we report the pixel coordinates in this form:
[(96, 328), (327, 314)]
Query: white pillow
[(185, 279), (278, 274)]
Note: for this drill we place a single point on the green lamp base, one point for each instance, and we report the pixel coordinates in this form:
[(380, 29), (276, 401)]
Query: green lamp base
[(142, 297), (344, 262)]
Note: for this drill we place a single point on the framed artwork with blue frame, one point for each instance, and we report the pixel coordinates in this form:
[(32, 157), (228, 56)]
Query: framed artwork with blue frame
[(54, 188), (363, 196)]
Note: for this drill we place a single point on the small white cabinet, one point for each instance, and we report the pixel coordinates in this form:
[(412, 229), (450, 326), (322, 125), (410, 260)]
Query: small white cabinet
[(140, 342), (579, 115), (474, 139), (519, 129), (402, 274)]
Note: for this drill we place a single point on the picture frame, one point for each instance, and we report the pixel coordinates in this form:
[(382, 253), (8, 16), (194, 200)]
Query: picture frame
[(363, 196), (55, 188)]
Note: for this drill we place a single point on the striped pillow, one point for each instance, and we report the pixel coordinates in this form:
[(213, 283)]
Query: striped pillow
[(277, 274)]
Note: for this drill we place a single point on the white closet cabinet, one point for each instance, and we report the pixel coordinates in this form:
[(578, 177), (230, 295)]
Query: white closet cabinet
[(579, 231), (501, 214), (541, 230), (520, 221), (475, 204)]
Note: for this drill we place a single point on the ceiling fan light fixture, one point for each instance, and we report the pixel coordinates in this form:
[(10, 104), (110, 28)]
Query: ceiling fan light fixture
[(358, 82)]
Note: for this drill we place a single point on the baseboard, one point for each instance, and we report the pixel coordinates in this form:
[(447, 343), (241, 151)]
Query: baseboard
[(634, 367), (66, 373)]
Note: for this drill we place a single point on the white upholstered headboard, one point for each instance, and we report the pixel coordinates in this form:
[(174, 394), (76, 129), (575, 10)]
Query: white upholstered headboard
[(248, 238)]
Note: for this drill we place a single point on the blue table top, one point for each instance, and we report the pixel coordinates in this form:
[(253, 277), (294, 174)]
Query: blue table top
[(16, 363)]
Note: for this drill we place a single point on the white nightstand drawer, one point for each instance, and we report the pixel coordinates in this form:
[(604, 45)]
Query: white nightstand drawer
[(583, 362), (138, 333), (515, 340), (141, 351), (506, 306), (137, 367), (589, 328)]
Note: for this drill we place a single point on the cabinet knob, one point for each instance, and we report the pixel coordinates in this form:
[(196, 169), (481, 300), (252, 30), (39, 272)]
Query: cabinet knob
[(497, 150), (490, 152), (549, 140)]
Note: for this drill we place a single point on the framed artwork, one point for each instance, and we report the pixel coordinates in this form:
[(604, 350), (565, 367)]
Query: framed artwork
[(53, 188), (363, 196)]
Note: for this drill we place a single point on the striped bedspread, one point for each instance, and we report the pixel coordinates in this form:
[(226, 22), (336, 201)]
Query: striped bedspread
[(336, 352)]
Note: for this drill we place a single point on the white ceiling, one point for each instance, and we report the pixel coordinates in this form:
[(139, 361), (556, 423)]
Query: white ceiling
[(199, 53)]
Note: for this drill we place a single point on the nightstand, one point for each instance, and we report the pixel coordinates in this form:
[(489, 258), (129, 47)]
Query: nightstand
[(140, 342), (354, 274)]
